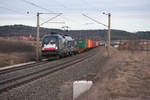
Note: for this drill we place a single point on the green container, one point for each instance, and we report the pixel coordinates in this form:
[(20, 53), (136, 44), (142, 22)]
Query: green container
[(82, 43)]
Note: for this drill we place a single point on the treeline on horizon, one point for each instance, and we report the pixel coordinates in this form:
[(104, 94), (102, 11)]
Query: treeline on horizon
[(22, 30)]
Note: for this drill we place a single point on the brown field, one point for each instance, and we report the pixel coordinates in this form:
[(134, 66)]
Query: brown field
[(16, 51), (125, 76)]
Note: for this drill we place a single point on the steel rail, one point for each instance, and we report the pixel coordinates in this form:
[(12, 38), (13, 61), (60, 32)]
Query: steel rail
[(12, 83)]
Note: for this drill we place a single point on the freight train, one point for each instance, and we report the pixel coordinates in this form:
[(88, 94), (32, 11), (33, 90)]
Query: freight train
[(84, 45), (64, 45)]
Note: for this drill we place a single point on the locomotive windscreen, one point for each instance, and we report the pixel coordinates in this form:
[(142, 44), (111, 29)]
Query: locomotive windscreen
[(48, 40)]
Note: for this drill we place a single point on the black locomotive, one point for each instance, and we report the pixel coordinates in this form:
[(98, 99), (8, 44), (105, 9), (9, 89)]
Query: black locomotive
[(58, 45)]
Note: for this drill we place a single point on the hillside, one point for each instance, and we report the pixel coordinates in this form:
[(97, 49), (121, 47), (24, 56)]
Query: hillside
[(19, 30), (143, 34)]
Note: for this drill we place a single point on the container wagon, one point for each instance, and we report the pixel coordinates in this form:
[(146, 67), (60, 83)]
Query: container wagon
[(82, 45)]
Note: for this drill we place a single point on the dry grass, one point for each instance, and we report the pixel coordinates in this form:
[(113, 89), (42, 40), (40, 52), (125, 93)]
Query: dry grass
[(15, 58), (132, 80), (8, 46), (125, 77), (15, 51)]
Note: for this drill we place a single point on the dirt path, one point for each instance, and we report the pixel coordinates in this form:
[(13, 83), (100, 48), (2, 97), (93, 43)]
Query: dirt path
[(126, 76)]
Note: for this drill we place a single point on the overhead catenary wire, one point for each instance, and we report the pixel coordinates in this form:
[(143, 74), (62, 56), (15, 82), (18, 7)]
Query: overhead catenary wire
[(65, 16), (46, 9), (11, 10), (38, 6), (43, 8), (51, 18), (94, 20), (66, 7), (15, 11), (57, 22), (21, 12)]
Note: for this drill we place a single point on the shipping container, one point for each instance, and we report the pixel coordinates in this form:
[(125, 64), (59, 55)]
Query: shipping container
[(82, 44), (93, 44), (89, 43), (97, 44)]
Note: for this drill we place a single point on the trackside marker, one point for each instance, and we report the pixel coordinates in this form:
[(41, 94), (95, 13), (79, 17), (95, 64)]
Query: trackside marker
[(80, 87)]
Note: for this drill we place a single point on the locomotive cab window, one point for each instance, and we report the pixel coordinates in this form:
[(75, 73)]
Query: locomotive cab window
[(51, 40)]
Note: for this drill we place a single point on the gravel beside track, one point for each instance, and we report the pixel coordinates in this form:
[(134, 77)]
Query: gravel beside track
[(50, 86)]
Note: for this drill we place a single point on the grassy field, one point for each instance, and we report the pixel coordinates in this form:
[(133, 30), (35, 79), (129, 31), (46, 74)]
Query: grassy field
[(16, 51)]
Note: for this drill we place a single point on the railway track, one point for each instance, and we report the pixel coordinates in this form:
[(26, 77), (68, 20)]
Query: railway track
[(8, 70), (19, 80), (11, 69)]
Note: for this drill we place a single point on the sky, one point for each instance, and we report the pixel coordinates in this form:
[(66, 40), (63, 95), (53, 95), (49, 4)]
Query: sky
[(128, 15)]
